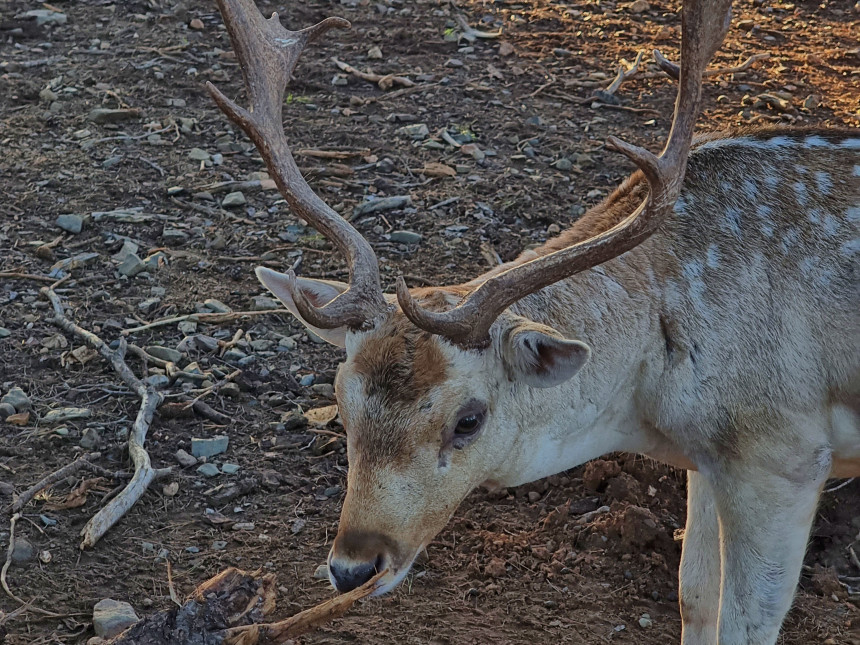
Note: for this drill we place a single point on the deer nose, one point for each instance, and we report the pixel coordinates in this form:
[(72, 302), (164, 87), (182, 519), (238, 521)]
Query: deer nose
[(347, 574)]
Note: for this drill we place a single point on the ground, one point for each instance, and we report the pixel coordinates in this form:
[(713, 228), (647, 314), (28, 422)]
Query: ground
[(512, 567)]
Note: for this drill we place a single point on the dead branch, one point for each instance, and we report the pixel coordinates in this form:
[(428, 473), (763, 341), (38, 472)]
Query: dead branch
[(241, 601), (471, 34), (674, 70), (385, 82), (26, 276), (212, 318), (25, 606), (622, 74), (150, 399)]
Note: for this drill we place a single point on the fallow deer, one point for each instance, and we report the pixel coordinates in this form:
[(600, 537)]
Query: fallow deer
[(705, 314)]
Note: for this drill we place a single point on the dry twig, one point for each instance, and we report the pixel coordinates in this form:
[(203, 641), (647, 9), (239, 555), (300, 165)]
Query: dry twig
[(384, 81), (212, 318), (674, 70)]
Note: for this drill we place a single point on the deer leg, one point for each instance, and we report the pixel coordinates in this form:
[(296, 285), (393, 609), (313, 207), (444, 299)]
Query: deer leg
[(699, 590), (765, 513)]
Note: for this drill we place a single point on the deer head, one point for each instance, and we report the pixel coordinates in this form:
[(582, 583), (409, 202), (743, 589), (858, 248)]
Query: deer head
[(438, 384)]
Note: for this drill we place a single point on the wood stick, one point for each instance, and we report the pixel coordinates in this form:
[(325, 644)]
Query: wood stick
[(212, 318)]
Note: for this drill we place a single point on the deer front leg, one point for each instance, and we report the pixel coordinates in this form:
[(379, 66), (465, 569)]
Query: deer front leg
[(699, 590), (766, 507)]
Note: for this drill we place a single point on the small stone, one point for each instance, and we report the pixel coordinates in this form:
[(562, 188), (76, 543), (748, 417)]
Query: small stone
[(128, 248), (198, 154), (645, 621), (17, 399), (414, 130), (112, 617), (307, 380), (209, 447), (74, 262), (185, 460), (5, 333), (173, 236), (640, 6), (23, 551), (264, 303), (374, 53), (534, 120), (164, 353), (192, 549), (453, 62), (233, 355), (196, 23), (96, 640), (563, 164), (243, 526), (48, 521), (6, 410), (234, 199), (216, 306), (61, 432), (553, 229), (321, 572), (70, 223), (131, 266), (297, 526), (107, 115), (324, 389), (149, 305), (208, 470), (219, 545), (46, 16), (187, 326), (47, 95), (231, 391), (534, 496), (90, 439), (230, 469), (405, 237), (332, 491), (66, 414)]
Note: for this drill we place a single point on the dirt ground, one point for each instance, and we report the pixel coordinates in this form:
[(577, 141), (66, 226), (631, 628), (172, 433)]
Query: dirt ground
[(512, 567)]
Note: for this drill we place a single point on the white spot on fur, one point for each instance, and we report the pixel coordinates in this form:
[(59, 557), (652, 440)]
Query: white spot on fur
[(733, 221), (857, 171), (851, 247), (750, 190), (713, 256), (815, 142), (789, 240), (764, 211), (823, 181), (771, 181), (831, 225), (801, 192), (747, 142), (850, 144), (815, 215), (801, 170), (693, 272), (767, 229), (853, 214), (728, 187)]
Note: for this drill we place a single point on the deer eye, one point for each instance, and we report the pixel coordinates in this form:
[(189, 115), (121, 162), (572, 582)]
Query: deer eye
[(469, 424)]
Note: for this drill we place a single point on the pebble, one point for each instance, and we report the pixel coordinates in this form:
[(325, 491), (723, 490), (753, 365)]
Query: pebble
[(46, 16), (645, 621), (639, 6), (234, 199), (5, 333), (208, 470), (164, 353), (321, 572), (534, 496), (48, 521), (187, 326), (149, 305), (157, 381), (264, 303), (23, 551), (243, 526), (128, 248), (66, 414), (413, 130), (6, 410), (74, 262), (324, 389), (90, 439), (198, 154), (332, 491), (233, 355), (71, 223), (216, 306), (17, 398), (231, 390), (453, 62), (112, 617), (230, 469), (219, 545), (406, 237), (185, 460), (209, 447), (173, 236), (563, 164), (307, 380), (297, 526), (108, 115), (131, 266), (155, 261)]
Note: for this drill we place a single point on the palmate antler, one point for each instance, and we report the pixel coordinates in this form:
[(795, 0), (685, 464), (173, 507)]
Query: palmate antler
[(267, 54), (704, 26)]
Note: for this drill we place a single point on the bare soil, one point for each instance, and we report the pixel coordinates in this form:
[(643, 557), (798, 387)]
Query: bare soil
[(512, 567)]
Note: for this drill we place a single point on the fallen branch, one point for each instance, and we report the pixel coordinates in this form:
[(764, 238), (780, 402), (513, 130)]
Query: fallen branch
[(385, 82), (241, 601), (622, 74), (473, 34), (26, 276), (674, 70), (24, 604), (212, 318), (150, 399)]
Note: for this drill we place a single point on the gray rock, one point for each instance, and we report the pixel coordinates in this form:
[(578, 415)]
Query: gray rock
[(6, 410), (209, 447), (155, 261), (413, 130), (243, 526), (332, 491), (216, 306), (208, 470), (131, 266), (112, 617), (321, 572), (307, 380), (71, 223), (23, 551), (108, 115), (248, 360), (45, 17), (5, 333), (234, 355), (66, 414), (219, 545), (173, 236), (74, 262), (384, 204), (563, 164), (164, 353), (297, 526), (324, 389), (149, 305), (185, 460), (405, 237), (128, 248), (187, 326), (17, 399), (198, 342), (157, 381), (230, 469), (90, 439), (180, 103), (264, 303), (199, 155), (231, 390), (233, 200), (262, 345)]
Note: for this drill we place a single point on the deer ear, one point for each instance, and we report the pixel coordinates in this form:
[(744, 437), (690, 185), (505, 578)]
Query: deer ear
[(540, 356), (319, 292)]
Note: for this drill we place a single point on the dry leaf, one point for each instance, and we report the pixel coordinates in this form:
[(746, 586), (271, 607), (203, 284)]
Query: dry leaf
[(321, 417), (436, 169), (495, 72), (19, 419), (83, 354), (77, 497), (57, 341)]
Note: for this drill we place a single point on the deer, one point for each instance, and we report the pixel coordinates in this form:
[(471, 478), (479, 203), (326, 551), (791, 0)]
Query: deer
[(705, 315)]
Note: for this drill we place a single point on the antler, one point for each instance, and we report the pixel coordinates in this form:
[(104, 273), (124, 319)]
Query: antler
[(267, 54), (704, 26)]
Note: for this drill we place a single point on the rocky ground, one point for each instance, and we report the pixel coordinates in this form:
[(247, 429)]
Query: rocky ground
[(120, 175)]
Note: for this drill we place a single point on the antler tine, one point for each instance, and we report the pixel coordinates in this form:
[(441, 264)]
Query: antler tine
[(268, 54), (704, 26)]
